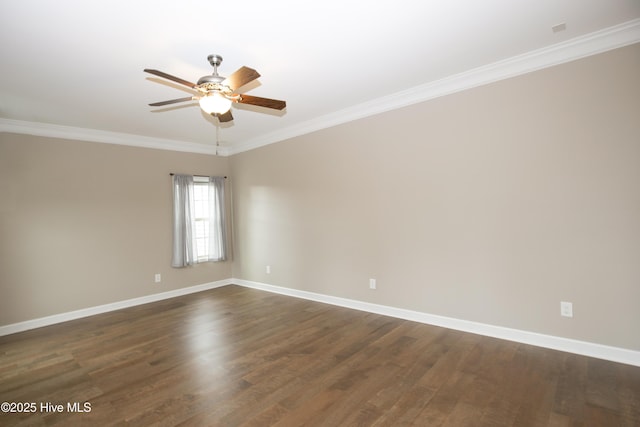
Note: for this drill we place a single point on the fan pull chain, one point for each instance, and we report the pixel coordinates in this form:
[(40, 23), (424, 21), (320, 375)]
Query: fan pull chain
[(217, 138)]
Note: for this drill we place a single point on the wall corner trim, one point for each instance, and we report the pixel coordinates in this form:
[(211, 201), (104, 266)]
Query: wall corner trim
[(599, 351)]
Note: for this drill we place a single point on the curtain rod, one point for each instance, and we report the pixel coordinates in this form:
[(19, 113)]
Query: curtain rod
[(171, 173)]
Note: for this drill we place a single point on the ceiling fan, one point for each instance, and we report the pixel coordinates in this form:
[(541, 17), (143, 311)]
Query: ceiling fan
[(216, 93)]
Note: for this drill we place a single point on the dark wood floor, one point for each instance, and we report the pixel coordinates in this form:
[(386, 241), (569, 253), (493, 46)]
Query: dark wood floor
[(240, 357)]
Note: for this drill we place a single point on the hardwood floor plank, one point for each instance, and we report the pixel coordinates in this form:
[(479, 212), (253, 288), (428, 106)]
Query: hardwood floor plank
[(406, 409), (233, 356), (570, 388), (463, 414)]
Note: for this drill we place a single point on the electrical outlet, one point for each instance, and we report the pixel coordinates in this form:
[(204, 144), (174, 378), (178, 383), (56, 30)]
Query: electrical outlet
[(372, 283), (158, 278), (268, 269), (566, 309)]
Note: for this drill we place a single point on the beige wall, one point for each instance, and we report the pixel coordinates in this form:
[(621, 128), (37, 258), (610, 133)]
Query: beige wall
[(84, 224), (491, 205)]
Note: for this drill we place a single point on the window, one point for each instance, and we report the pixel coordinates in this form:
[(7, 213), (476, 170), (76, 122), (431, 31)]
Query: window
[(199, 231), (201, 218)]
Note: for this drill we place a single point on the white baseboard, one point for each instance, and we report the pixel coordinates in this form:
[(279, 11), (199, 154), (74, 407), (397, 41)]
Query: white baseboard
[(99, 309), (614, 354), (599, 351)]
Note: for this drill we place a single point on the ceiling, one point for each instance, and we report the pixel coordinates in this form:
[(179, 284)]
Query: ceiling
[(74, 67)]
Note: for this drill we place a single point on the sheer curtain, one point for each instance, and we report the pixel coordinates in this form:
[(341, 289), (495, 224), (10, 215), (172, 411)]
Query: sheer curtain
[(217, 250), (187, 225), (183, 208)]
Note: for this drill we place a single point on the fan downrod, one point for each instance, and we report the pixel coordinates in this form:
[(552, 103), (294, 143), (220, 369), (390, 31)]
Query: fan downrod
[(215, 78)]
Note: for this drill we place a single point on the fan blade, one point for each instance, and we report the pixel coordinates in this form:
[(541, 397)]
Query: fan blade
[(170, 77), (262, 102), (224, 117), (241, 77), (173, 101)]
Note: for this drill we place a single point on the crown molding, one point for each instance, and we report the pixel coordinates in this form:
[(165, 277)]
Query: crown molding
[(591, 44), (106, 137)]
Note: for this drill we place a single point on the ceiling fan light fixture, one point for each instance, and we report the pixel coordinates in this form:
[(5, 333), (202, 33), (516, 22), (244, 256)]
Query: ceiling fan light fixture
[(215, 103), (216, 93)]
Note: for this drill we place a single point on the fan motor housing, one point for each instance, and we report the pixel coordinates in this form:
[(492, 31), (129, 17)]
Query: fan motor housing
[(210, 79)]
